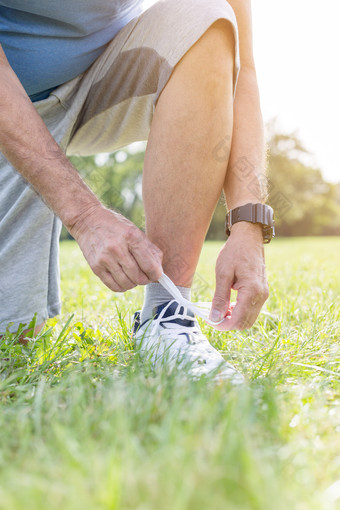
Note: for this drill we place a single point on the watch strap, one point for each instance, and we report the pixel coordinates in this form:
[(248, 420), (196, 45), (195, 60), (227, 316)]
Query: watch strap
[(253, 213)]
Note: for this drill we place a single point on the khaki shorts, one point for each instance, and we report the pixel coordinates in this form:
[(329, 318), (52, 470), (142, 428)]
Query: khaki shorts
[(108, 107)]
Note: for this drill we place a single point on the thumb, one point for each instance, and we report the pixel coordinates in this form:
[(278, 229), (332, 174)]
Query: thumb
[(221, 300)]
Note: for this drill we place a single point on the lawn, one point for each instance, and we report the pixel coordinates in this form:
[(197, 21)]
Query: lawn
[(85, 425)]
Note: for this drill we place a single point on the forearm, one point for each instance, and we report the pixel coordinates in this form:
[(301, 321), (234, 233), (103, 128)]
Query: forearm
[(27, 144), (246, 169), (240, 264)]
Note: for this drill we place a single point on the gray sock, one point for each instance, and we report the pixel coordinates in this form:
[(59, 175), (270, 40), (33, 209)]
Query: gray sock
[(155, 295)]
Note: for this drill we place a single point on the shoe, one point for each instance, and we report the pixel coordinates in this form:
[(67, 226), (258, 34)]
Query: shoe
[(173, 337)]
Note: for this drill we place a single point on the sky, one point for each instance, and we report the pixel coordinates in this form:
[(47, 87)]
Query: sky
[(296, 48)]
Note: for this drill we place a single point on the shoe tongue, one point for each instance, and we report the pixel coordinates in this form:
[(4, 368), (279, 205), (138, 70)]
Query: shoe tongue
[(171, 310)]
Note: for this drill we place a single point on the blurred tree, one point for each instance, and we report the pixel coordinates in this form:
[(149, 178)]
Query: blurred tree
[(304, 204), (116, 179)]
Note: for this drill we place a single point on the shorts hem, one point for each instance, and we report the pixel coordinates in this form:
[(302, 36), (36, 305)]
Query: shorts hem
[(42, 316)]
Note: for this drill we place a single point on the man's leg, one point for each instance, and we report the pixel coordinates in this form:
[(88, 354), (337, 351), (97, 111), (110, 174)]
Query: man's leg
[(168, 77), (30, 333), (27, 334), (183, 178)]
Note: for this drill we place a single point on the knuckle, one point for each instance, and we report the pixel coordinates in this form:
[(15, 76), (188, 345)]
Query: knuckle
[(133, 235), (101, 262), (266, 292), (256, 290), (97, 268), (112, 248), (101, 259)]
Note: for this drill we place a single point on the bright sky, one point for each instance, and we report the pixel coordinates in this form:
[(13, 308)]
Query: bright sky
[(297, 46)]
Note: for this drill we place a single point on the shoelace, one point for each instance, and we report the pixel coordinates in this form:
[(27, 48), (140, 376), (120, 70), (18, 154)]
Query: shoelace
[(201, 308), (177, 315)]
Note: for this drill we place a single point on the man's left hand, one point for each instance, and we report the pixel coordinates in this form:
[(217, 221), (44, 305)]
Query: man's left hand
[(240, 266)]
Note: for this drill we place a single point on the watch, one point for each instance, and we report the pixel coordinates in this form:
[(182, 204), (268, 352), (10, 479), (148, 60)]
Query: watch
[(253, 213)]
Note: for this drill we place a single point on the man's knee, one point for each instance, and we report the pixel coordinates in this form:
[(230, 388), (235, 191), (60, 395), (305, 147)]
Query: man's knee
[(222, 33), (211, 59)]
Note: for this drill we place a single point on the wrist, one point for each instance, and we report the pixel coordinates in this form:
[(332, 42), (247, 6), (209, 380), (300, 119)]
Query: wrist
[(245, 228), (256, 215), (78, 219)]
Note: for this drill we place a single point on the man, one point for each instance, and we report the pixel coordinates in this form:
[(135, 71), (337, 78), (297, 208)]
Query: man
[(89, 76)]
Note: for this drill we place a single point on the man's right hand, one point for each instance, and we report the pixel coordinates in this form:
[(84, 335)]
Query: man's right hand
[(118, 252)]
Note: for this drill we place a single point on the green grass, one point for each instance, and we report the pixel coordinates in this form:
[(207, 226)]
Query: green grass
[(85, 425)]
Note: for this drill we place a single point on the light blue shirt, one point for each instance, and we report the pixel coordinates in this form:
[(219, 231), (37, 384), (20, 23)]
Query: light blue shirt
[(49, 42)]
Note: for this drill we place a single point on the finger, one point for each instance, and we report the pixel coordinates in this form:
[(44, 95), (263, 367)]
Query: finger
[(133, 271), (221, 300), (115, 269), (123, 279), (109, 281), (245, 312), (114, 277), (148, 258)]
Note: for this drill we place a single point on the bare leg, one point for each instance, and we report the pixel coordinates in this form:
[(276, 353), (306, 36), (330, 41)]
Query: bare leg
[(182, 179), (28, 332)]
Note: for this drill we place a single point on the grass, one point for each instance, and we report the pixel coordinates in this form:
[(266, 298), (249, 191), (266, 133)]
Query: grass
[(85, 425)]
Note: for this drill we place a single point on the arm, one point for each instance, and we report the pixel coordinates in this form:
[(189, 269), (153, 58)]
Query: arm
[(118, 252), (240, 264)]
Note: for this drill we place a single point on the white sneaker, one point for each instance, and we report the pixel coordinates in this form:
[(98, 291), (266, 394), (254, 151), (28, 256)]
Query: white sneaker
[(173, 337)]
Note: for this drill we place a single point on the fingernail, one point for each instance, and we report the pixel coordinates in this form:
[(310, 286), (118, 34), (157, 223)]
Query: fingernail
[(215, 315)]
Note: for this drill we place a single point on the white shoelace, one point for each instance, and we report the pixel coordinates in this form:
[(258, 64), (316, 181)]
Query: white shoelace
[(201, 308), (172, 328)]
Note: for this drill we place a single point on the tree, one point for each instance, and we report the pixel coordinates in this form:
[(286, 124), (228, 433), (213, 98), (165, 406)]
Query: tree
[(303, 203), (116, 179)]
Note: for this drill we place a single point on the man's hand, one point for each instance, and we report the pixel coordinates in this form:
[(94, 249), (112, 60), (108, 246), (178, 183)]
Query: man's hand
[(240, 266), (117, 251)]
